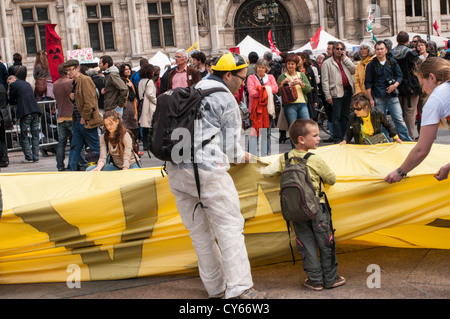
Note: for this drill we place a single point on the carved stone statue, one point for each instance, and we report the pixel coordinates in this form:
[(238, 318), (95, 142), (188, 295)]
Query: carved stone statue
[(201, 14), (331, 10)]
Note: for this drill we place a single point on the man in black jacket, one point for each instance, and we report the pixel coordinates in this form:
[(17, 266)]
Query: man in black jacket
[(28, 112), (18, 69)]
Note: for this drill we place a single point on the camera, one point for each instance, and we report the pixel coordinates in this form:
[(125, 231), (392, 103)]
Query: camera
[(390, 82)]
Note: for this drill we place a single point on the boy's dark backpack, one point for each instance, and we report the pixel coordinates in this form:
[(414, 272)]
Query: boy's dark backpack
[(299, 202)]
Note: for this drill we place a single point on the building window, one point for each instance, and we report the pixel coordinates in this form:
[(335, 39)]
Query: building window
[(34, 20), (414, 8), (100, 25), (445, 7), (160, 17)]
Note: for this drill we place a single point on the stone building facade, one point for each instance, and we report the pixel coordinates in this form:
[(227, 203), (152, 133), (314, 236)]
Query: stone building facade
[(128, 30)]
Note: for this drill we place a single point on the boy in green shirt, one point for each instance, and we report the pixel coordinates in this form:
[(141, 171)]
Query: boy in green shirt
[(318, 232)]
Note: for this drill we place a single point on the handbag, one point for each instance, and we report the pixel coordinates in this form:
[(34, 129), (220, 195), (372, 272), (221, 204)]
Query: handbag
[(40, 87), (379, 138), (288, 94)]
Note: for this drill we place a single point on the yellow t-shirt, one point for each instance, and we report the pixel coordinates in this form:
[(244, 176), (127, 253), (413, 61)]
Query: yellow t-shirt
[(367, 127), (316, 165)]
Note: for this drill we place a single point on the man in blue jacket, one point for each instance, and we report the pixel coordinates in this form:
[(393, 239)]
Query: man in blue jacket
[(383, 76), (28, 112)]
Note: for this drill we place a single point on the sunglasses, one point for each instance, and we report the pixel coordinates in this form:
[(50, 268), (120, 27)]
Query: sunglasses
[(71, 69), (357, 108), (339, 49)]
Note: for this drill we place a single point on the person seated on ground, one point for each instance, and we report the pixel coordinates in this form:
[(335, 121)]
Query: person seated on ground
[(366, 121), (117, 143)]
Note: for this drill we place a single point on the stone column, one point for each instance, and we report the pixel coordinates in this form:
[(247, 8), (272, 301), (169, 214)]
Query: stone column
[(136, 48), (341, 19), (193, 23), (213, 27), (5, 50), (322, 14)]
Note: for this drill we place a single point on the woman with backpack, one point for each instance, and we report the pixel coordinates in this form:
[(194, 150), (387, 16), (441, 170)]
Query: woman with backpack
[(117, 143)]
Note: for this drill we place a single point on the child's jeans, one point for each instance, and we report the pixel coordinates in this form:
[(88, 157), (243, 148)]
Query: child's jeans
[(313, 234)]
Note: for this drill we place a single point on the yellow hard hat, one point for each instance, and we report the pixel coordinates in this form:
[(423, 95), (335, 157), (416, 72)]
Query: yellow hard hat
[(229, 62)]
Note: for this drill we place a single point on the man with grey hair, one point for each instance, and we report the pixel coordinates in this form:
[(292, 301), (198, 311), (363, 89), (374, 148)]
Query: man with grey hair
[(183, 75)]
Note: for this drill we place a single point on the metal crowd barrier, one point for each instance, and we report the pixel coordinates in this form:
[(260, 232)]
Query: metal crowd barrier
[(48, 128)]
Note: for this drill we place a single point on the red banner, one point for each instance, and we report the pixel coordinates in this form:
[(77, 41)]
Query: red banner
[(235, 50), (273, 48), (55, 53), (314, 41), (436, 27)]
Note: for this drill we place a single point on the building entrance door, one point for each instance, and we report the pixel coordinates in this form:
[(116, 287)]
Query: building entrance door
[(250, 21)]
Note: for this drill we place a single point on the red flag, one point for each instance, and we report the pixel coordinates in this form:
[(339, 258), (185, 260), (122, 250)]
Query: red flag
[(314, 41), (436, 27), (235, 50), (55, 53), (273, 48)]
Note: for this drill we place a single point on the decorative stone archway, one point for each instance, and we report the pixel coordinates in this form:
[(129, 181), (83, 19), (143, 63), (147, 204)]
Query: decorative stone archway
[(249, 21)]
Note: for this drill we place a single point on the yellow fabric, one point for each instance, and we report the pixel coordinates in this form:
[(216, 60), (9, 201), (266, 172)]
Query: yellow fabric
[(125, 224)]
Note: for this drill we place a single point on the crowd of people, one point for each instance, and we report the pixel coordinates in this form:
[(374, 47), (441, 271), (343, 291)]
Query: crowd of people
[(357, 90), (277, 91)]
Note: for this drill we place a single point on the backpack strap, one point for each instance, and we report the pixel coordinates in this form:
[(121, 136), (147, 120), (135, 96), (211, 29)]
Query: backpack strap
[(203, 93)]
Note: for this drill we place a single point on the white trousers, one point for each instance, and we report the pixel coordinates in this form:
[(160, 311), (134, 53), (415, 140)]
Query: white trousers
[(223, 265)]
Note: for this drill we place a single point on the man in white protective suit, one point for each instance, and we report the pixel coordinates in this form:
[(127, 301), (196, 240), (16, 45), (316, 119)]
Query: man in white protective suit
[(223, 265)]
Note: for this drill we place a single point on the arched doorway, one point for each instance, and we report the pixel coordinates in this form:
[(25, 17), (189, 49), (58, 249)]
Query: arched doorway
[(250, 22)]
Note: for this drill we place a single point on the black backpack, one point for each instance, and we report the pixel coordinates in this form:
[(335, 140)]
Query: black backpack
[(178, 108)]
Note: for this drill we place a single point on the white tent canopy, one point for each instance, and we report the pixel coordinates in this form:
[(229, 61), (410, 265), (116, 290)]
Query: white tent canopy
[(251, 45), (323, 43), (159, 59), (440, 41)]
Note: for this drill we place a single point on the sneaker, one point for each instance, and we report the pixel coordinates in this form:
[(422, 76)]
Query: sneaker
[(338, 282), (310, 285), (251, 293), (26, 161), (218, 296)]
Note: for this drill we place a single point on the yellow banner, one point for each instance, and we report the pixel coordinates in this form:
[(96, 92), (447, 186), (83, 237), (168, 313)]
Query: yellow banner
[(194, 47), (113, 225)]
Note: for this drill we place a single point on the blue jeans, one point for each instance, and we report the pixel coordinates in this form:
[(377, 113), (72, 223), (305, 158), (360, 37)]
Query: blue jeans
[(341, 115), (295, 111), (31, 122), (112, 167), (80, 137), (395, 110), (253, 141), (64, 132)]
